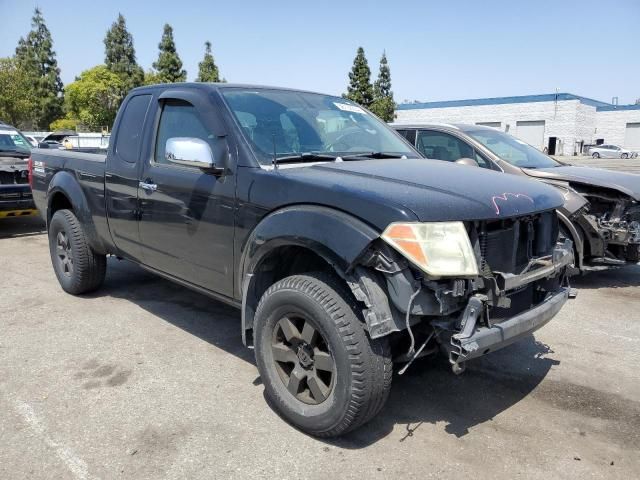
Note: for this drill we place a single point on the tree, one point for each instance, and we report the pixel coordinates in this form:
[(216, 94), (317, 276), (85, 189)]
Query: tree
[(120, 55), (66, 123), (207, 68), (17, 101), (93, 99), (383, 104), (169, 65), (36, 56), (360, 89)]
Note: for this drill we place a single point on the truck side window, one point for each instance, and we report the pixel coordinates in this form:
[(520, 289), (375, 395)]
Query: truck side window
[(130, 130), (179, 119)]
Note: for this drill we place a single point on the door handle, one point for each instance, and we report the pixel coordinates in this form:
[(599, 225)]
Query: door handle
[(148, 187)]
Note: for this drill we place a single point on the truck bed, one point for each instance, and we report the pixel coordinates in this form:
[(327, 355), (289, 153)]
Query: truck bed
[(82, 162)]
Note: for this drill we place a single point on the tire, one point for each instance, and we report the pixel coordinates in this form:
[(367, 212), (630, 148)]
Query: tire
[(624, 155), (361, 369), (595, 155), (78, 268)]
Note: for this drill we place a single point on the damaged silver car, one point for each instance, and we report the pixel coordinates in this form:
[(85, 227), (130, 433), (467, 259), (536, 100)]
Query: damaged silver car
[(601, 212)]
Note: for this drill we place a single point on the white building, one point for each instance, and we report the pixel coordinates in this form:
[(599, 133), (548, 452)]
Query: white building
[(561, 123)]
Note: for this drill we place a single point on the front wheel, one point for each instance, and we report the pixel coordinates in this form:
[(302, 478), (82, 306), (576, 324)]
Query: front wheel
[(79, 269), (319, 367), (624, 155), (595, 155)]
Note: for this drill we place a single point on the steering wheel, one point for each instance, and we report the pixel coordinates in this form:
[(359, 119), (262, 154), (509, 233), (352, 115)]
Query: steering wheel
[(341, 141)]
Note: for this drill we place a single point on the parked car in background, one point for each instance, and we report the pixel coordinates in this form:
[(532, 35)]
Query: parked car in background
[(342, 247), (611, 151), (15, 192), (32, 140), (601, 211)]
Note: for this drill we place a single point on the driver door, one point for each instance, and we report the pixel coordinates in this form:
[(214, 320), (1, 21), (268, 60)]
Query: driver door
[(187, 215)]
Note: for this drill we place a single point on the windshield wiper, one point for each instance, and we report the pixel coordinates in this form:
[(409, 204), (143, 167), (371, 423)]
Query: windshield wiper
[(377, 155), (304, 157)]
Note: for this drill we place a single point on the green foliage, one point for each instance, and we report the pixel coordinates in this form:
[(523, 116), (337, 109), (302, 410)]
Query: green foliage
[(66, 123), (120, 55), (36, 56), (383, 104), (18, 103), (169, 66), (151, 77), (95, 96), (207, 68), (360, 89)]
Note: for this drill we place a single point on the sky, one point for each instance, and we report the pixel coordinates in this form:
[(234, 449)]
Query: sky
[(437, 50)]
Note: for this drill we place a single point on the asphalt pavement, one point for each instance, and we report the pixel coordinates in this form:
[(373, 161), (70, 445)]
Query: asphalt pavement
[(145, 380)]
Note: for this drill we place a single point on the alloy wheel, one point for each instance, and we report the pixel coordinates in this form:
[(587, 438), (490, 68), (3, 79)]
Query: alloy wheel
[(64, 253), (303, 359)]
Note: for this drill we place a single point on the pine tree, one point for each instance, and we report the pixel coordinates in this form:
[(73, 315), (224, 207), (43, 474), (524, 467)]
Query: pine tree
[(36, 56), (169, 65), (120, 56), (360, 89), (207, 68), (383, 104)]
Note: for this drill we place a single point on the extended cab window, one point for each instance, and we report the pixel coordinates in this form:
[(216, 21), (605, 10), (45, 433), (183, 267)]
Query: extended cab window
[(179, 119), (130, 130)]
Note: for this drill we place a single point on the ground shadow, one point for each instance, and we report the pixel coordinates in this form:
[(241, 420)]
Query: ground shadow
[(13, 227), (427, 393), (628, 276)]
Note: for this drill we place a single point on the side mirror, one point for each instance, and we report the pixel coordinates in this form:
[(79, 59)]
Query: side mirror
[(191, 152), (469, 162)]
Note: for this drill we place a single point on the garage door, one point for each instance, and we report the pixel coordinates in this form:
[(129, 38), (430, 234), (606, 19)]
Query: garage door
[(531, 132), (632, 136)]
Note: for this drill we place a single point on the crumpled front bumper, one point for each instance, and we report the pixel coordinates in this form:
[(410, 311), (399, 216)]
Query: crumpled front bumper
[(474, 340), (488, 339), (561, 258)]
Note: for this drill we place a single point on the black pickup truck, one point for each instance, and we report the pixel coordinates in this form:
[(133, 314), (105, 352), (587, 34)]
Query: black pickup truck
[(343, 249)]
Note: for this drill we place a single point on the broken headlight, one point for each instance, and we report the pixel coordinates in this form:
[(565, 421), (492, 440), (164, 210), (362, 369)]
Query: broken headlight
[(441, 249)]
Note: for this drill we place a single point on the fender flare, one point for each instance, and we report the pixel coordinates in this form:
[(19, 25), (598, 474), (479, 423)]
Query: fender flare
[(337, 237), (66, 184)]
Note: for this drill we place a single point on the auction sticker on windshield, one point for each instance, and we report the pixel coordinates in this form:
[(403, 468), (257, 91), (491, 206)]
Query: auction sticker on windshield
[(347, 107)]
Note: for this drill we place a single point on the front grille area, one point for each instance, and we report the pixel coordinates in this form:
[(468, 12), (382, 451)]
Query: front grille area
[(17, 177), (507, 246)]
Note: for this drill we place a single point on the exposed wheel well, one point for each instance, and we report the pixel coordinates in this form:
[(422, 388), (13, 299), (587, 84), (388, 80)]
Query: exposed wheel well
[(59, 201), (279, 263)]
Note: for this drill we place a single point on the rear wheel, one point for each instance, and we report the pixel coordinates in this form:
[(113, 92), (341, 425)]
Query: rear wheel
[(595, 155), (78, 268), (319, 367)]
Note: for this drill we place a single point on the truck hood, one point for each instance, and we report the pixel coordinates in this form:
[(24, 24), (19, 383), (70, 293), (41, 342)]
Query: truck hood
[(433, 190), (627, 183)]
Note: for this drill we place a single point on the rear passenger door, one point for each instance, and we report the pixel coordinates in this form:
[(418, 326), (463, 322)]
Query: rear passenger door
[(187, 220), (122, 172)]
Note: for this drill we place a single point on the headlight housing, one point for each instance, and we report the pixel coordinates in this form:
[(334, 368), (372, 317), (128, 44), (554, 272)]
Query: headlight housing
[(440, 249)]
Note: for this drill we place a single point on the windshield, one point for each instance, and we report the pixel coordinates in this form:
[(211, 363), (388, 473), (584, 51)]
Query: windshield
[(511, 150), (296, 123), (13, 141)]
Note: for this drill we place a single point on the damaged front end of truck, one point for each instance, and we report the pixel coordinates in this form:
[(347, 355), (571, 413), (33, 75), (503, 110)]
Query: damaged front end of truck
[(463, 288)]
